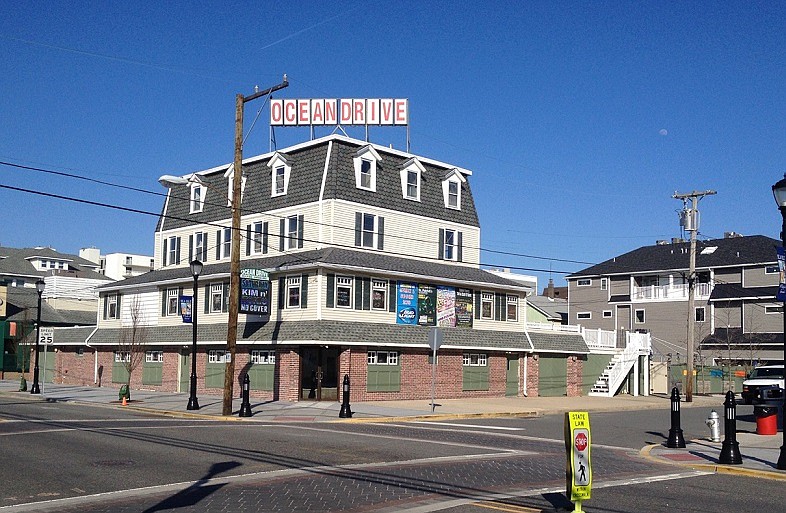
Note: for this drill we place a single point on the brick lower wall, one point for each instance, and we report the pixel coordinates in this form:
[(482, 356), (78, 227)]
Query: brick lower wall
[(75, 369)]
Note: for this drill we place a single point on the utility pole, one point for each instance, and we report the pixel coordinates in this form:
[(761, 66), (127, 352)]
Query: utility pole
[(234, 266), (689, 219)]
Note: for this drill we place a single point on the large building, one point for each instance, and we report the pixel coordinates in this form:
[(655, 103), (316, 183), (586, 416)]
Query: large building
[(736, 316), (118, 266), (367, 248)]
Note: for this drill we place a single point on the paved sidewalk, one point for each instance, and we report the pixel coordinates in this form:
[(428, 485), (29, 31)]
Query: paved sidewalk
[(759, 452)]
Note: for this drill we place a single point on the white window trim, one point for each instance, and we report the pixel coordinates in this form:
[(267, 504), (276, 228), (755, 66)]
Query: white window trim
[(172, 293), (604, 284), (372, 358), (226, 245), (414, 165), (583, 316), (291, 238), (193, 207), (374, 232), (487, 297), (257, 246), (277, 161), (154, 356), (379, 285), (771, 269), (636, 318), (218, 356), (345, 281), (171, 250), (216, 288), (608, 314), (696, 310), (293, 282), (587, 282), (230, 176), (481, 360), (122, 356), (263, 356), (370, 154), (453, 176), (773, 309), (512, 299), (199, 249), (452, 246), (112, 303)]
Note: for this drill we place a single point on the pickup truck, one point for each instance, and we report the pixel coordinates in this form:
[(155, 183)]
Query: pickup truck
[(764, 376)]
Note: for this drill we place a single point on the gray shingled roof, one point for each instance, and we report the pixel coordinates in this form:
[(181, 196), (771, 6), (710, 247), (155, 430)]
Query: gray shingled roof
[(749, 250), (724, 291), (305, 182), (349, 333), (14, 262), (375, 262), (23, 303), (556, 309)]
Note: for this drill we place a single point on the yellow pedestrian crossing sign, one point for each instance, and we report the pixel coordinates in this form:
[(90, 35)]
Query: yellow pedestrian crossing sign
[(578, 441)]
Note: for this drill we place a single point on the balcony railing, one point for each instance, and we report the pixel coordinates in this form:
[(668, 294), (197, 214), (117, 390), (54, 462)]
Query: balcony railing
[(669, 292), (547, 326)]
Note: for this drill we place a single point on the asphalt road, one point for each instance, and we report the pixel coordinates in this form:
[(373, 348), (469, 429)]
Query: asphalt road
[(74, 458)]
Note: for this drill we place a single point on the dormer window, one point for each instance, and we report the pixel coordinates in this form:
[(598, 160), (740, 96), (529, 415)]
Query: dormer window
[(280, 170), (365, 163), (451, 189), (411, 176), (197, 198), (230, 176)]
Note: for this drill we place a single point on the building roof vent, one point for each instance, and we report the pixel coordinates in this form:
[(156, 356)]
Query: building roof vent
[(731, 235), (661, 242)]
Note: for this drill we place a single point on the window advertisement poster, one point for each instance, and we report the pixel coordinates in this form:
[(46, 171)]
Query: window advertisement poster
[(427, 305), (446, 306), (781, 295), (464, 308), (254, 292), (185, 308), (406, 303)]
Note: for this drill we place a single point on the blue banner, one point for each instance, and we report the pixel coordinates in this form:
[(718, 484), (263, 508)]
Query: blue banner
[(185, 308), (407, 303), (782, 286)]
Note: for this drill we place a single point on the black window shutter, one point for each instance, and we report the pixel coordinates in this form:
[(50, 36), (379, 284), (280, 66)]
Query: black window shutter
[(283, 235), (477, 304), (380, 233), (391, 296), (281, 285), (163, 303), (441, 244), (106, 305), (177, 250), (366, 293), (264, 237), (248, 239), (460, 252), (358, 293), (191, 255), (204, 247), (497, 307), (164, 256), (304, 291), (117, 312), (218, 245), (225, 297), (300, 231), (207, 298), (358, 222), (331, 290)]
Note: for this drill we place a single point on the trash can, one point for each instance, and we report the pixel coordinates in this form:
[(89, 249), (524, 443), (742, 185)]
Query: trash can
[(766, 419)]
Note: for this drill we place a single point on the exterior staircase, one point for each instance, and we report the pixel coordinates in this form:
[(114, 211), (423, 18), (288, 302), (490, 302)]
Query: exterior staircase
[(620, 365)]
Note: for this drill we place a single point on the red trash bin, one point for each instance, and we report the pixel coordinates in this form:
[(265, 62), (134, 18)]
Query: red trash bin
[(766, 420)]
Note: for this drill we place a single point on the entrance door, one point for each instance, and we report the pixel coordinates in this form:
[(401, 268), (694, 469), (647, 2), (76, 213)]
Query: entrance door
[(185, 370), (512, 375), (319, 373)]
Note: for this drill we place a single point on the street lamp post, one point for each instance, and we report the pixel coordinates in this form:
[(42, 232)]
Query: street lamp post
[(39, 286), (779, 191), (193, 403)]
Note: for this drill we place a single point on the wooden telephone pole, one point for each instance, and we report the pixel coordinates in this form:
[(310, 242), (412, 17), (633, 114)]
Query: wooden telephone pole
[(689, 220), (234, 266)]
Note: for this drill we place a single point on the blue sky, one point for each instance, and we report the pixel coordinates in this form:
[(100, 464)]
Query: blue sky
[(579, 120)]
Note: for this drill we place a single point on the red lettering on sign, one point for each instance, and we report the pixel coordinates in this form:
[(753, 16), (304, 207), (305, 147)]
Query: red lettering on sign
[(372, 112), (290, 112), (318, 112), (276, 112), (401, 112), (330, 112), (581, 442), (346, 112), (359, 112), (386, 111), (303, 112)]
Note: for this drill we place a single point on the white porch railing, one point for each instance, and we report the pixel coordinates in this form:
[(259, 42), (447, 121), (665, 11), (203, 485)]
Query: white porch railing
[(547, 326), (611, 379), (600, 339), (674, 292)]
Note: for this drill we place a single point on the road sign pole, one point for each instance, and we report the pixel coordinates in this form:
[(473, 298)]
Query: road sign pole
[(433, 376)]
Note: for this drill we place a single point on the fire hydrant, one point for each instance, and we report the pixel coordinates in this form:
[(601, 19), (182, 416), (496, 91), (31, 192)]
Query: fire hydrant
[(713, 422)]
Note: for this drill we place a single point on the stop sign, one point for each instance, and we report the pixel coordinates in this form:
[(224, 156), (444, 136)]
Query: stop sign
[(581, 441)]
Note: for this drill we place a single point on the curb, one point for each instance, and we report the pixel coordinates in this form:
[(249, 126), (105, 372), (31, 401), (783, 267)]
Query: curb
[(440, 417), (715, 468)]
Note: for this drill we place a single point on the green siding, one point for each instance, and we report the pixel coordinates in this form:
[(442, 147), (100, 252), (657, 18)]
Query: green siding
[(593, 367), (261, 376), (476, 378), (119, 373), (152, 373), (552, 376), (512, 377), (214, 375), (384, 378)]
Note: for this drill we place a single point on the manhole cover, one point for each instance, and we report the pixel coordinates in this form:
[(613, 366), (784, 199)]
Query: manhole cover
[(113, 463)]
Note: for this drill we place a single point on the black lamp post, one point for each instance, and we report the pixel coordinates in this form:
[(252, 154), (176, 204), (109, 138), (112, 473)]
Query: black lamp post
[(779, 191), (39, 286), (193, 403)]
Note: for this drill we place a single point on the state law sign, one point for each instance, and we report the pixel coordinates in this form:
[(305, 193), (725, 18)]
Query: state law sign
[(331, 111), (578, 471)]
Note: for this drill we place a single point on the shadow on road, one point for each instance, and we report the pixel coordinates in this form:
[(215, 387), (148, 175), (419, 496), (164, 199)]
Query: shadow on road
[(197, 491)]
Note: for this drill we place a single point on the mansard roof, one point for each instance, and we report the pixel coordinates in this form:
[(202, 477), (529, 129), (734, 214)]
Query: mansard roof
[(727, 252), (308, 170), (348, 260), (18, 262)]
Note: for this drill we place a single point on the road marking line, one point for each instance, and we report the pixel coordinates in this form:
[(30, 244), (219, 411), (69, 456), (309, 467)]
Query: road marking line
[(501, 428), (514, 509)]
